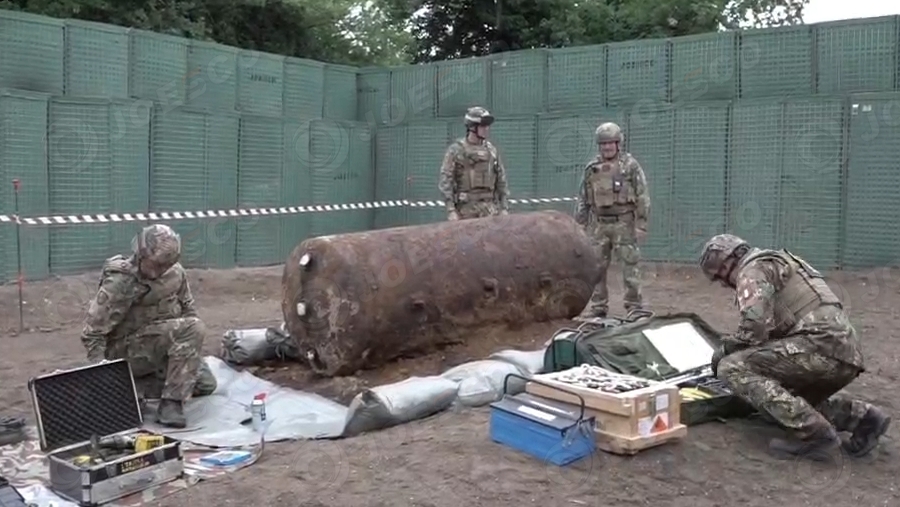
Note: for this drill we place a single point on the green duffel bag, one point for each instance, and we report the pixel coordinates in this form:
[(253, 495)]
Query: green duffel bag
[(622, 345)]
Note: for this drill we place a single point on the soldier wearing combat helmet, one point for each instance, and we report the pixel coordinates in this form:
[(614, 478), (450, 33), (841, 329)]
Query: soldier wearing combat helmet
[(473, 179), (614, 206), (144, 313), (793, 350)]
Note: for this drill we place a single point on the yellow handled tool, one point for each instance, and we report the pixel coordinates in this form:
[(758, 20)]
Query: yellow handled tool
[(146, 442), (694, 394), (82, 461)]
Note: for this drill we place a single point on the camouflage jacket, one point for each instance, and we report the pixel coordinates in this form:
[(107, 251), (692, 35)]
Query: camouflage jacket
[(451, 172), (635, 177), (759, 283), (126, 302)]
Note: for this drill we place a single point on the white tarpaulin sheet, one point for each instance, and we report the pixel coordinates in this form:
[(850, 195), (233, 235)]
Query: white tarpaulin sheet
[(220, 420), (215, 420)]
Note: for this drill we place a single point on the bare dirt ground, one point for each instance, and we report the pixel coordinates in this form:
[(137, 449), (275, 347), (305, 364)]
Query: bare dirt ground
[(448, 460)]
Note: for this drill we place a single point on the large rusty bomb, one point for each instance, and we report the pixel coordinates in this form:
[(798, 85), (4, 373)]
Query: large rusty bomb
[(353, 301)]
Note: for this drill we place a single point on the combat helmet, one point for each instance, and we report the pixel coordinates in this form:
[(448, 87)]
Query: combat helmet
[(157, 247), (478, 116), (717, 250), (608, 132)]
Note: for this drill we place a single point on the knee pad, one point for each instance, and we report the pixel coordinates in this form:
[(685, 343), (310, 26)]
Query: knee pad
[(192, 329), (206, 383)]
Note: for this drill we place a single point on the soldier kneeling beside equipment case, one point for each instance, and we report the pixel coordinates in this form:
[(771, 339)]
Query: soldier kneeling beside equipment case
[(674, 349), (89, 422)]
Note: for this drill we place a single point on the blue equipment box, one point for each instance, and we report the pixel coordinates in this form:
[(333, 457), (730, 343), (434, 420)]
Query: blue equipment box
[(550, 431)]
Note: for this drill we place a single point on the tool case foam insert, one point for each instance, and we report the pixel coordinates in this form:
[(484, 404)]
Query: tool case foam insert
[(72, 407), (600, 344), (556, 433)]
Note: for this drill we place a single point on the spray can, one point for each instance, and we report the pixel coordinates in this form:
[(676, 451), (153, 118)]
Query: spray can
[(258, 411)]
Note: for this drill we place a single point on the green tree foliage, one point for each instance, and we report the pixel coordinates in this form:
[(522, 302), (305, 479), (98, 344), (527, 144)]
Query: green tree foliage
[(317, 29), (376, 36), (445, 29), (391, 32)]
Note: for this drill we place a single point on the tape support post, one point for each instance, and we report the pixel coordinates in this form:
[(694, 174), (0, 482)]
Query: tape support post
[(244, 212)]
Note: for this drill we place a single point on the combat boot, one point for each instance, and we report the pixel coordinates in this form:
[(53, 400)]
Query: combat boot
[(151, 390), (171, 413), (12, 430), (818, 447), (865, 438), (589, 314)]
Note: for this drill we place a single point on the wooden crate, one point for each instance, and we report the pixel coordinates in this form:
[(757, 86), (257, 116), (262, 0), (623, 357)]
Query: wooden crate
[(627, 423)]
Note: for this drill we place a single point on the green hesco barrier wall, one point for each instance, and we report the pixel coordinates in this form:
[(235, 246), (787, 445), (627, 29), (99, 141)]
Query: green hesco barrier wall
[(787, 136)]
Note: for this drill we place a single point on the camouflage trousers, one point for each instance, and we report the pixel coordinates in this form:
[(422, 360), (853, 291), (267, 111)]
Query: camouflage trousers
[(165, 359), (477, 210), (791, 380), (617, 237)]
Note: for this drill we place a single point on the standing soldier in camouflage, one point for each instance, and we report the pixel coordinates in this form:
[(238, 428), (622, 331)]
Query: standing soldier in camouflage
[(144, 312), (793, 350), (473, 179), (614, 206)]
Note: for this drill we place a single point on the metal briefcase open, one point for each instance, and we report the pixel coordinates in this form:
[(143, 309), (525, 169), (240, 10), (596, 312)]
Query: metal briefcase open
[(89, 422)]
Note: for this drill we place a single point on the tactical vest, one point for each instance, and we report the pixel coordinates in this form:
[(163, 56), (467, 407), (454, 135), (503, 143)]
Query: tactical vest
[(475, 172), (153, 300), (805, 288), (609, 186)]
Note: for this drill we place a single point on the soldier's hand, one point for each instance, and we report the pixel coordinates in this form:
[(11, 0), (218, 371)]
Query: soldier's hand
[(96, 357), (641, 235), (717, 356), (453, 216)]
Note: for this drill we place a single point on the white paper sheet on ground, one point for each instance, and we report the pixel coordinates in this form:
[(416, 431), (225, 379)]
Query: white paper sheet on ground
[(43, 497), (215, 420), (681, 346)]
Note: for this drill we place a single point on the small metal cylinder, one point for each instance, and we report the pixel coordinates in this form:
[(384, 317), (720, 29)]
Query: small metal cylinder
[(258, 413)]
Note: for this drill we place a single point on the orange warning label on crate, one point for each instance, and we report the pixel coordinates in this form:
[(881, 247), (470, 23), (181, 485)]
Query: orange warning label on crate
[(659, 424)]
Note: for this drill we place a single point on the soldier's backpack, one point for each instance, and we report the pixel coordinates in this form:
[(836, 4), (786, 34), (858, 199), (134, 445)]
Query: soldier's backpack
[(624, 345)]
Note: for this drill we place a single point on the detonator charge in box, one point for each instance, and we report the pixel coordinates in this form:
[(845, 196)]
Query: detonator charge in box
[(674, 349)]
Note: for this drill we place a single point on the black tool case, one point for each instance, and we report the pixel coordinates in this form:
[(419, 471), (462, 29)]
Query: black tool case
[(72, 407), (9, 496), (617, 344)]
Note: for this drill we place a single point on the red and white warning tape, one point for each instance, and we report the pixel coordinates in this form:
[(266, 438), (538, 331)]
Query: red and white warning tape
[(245, 212)]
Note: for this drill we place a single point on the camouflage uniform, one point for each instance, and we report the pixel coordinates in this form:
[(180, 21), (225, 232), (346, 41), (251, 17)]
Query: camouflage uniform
[(473, 179), (144, 312), (613, 204), (794, 347)]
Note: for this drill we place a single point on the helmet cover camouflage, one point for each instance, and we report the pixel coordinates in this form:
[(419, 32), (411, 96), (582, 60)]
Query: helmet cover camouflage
[(478, 115), (158, 244), (608, 132), (716, 251)]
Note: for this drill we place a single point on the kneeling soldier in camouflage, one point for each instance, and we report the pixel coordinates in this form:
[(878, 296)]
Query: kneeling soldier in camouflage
[(794, 350), (144, 312)]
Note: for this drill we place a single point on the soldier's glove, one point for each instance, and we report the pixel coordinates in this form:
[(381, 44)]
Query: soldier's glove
[(453, 216), (96, 356), (727, 347), (717, 356)]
